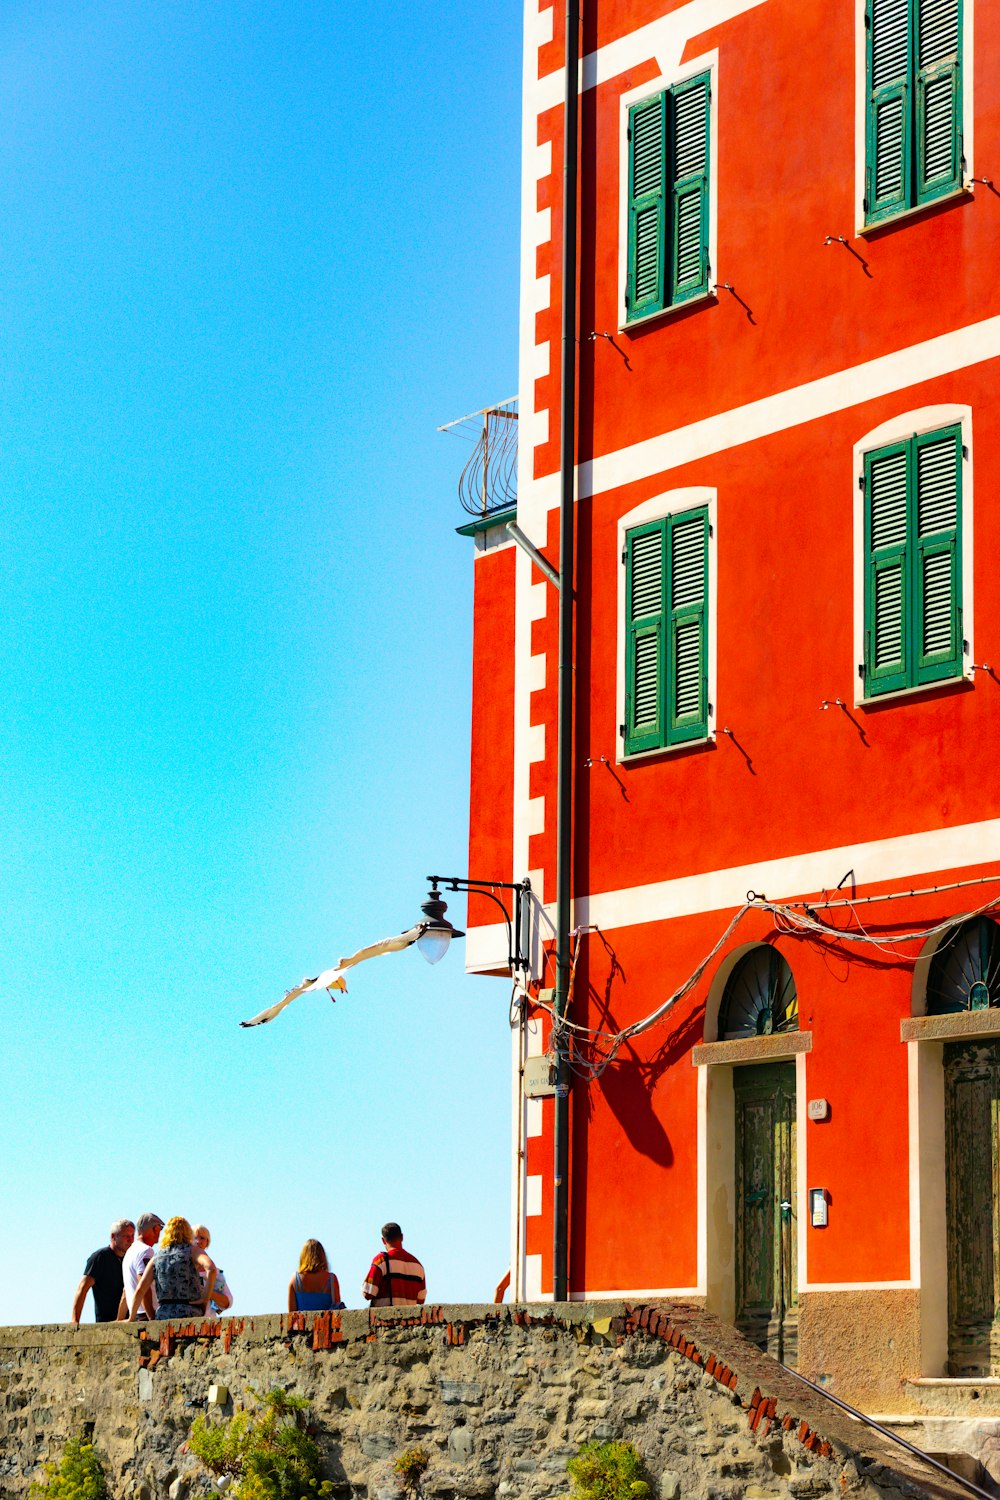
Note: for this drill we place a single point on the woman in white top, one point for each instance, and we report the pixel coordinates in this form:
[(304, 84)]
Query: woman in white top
[(222, 1297)]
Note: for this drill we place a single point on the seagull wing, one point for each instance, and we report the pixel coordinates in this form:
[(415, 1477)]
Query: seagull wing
[(386, 945), (275, 1010), (333, 979)]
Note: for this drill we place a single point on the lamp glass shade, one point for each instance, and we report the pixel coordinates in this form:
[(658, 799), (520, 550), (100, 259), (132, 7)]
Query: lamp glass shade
[(434, 943)]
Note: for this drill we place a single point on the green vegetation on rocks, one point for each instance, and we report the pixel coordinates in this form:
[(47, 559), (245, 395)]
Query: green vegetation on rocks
[(410, 1466), (607, 1471), (267, 1452), (77, 1476)]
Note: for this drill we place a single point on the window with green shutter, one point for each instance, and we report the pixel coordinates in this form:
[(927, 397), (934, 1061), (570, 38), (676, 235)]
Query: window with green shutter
[(913, 562), (913, 151), (666, 663), (668, 156)]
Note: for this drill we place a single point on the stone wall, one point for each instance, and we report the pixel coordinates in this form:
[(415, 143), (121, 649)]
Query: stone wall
[(500, 1397)]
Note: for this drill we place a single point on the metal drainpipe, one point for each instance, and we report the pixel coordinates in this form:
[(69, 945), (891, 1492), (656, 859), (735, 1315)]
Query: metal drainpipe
[(564, 763)]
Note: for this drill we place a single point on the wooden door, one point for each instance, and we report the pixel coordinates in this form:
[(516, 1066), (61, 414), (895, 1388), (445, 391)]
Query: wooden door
[(972, 1090), (766, 1216)]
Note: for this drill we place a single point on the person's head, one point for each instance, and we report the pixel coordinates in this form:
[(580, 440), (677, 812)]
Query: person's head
[(202, 1238), (313, 1257), (391, 1234), (148, 1228), (177, 1232), (122, 1235)]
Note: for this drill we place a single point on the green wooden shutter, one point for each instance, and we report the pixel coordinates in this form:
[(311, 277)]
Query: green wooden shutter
[(888, 169), (937, 469), (913, 584), (645, 292), (687, 638), (939, 98), (689, 158), (644, 663), (887, 606)]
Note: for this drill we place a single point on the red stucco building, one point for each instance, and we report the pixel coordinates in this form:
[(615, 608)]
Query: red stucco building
[(786, 809)]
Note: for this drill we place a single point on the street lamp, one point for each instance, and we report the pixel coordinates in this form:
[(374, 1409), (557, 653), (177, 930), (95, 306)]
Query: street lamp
[(432, 935), (435, 939)]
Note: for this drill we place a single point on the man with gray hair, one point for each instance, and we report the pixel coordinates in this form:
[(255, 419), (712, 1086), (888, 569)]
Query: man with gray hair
[(103, 1272), (147, 1228)]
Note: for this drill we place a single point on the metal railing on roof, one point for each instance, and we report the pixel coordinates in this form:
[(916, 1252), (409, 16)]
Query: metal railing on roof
[(488, 482)]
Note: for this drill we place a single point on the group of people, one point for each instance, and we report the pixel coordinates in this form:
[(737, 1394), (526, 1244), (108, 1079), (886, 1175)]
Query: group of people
[(152, 1269)]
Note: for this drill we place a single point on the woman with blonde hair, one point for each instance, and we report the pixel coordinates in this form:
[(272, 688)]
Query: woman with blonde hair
[(176, 1271), (222, 1297), (313, 1288)]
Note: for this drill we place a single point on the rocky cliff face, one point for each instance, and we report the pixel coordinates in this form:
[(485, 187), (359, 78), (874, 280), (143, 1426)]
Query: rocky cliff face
[(500, 1397)]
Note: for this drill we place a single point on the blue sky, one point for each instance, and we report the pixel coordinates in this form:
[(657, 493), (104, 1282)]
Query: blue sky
[(251, 257)]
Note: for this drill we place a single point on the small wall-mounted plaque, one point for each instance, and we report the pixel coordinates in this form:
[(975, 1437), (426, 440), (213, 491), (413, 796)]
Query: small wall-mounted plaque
[(818, 1109), (539, 1077)]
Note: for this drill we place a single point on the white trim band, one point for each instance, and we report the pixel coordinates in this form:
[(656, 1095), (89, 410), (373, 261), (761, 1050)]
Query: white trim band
[(969, 845)]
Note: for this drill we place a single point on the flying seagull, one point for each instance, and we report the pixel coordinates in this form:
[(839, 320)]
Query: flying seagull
[(333, 979)]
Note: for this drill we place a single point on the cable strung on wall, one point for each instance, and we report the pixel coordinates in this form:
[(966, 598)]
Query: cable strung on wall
[(790, 921)]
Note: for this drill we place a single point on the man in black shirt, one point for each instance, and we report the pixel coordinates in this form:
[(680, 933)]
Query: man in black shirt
[(103, 1272)]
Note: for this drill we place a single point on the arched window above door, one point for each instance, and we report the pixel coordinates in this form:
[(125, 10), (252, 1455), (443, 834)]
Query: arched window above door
[(759, 998), (965, 971)]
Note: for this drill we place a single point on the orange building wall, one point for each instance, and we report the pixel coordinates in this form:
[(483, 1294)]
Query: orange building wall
[(492, 755), (784, 185), (792, 778), (785, 642)]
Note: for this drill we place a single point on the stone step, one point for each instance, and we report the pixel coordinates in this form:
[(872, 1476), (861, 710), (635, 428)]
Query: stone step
[(966, 1397), (969, 1445)]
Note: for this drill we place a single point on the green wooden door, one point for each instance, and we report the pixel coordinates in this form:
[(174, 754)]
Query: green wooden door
[(766, 1219), (972, 1091)]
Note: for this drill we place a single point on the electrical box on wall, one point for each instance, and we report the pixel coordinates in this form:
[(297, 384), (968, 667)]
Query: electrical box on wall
[(819, 1205), (539, 1077)]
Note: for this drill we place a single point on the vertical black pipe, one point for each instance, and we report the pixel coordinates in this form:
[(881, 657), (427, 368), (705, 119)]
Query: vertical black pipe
[(564, 772)]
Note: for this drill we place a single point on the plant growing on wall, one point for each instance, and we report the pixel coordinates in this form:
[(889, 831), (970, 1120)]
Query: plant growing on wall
[(77, 1476), (410, 1466), (266, 1451), (607, 1471)]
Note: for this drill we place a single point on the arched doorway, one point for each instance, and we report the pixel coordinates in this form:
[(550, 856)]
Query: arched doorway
[(760, 1000), (964, 977)]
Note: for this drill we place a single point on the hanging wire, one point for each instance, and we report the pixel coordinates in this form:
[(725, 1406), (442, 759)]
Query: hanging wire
[(787, 920), (559, 1023)]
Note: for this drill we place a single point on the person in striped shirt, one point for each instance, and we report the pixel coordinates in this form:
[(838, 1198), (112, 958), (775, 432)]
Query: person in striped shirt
[(395, 1278)]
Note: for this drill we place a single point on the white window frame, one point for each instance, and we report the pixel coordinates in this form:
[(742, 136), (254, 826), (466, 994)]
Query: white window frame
[(861, 122), (708, 63), (671, 503), (922, 419)]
